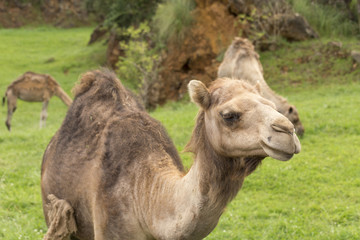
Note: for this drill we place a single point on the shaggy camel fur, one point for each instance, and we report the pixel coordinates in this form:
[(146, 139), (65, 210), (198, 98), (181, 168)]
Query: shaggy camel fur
[(121, 174), (242, 62), (33, 87)]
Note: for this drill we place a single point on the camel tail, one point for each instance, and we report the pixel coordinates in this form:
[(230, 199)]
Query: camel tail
[(63, 96), (61, 219)]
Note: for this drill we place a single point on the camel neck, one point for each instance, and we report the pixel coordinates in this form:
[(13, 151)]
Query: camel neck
[(211, 183), (267, 92), (219, 178), (190, 206), (272, 96)]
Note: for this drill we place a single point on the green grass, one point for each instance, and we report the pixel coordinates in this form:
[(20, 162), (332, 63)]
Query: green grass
[(315, 195), (21, 150)]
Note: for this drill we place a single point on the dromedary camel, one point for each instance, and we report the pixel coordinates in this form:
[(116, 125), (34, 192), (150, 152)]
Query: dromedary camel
[(112, 172), (242, 62), (33, 87)]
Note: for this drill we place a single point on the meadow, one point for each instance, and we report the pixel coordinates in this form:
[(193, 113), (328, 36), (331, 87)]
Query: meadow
[(315, 195)]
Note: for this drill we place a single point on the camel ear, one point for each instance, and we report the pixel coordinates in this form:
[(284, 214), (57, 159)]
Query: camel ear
[(199, 94), (258, 87)]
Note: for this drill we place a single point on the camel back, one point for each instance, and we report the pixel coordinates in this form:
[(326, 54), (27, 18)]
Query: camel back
[(105, 122)]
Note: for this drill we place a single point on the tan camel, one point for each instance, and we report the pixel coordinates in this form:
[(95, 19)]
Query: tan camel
[(33, 87), (242, 62), (112, 172)]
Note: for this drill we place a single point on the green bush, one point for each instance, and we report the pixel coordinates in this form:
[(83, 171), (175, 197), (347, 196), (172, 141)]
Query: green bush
[(138, 68)]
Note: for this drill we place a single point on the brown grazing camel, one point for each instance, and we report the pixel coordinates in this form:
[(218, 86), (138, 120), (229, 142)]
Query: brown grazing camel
[(33, 87), (242, 62), (112, 172)]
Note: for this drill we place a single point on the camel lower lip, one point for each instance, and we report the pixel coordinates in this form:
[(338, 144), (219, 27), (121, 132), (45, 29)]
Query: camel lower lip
[(276, 153)]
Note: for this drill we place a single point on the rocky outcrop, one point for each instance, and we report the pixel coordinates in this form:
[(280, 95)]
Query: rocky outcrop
[(293, 27), (274, 17)]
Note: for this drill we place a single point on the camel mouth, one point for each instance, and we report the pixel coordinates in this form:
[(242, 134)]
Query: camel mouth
[(276, 153)]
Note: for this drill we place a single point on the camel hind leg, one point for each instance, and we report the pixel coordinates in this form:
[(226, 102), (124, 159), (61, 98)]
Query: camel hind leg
[(61, 219), (11, 104)]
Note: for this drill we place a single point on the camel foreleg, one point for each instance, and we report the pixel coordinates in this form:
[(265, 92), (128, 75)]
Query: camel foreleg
[(11, 104), (43, 115), (61, 219)]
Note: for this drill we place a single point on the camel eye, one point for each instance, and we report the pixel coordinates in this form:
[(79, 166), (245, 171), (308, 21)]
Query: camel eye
[(290, 110), (231, 116)]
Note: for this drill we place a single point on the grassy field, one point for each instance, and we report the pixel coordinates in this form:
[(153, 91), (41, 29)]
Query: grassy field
[(315, 195)]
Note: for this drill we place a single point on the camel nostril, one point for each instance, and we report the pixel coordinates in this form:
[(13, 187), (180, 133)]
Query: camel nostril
[(282, 128)]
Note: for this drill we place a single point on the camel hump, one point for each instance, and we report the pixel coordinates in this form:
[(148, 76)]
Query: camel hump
[(242, 43), (61, 219), (103, 85), (102, 81)]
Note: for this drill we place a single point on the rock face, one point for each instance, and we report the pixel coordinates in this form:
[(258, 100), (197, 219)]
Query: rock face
[(62, 13), (294, 27), (195, 57), (14, 14)]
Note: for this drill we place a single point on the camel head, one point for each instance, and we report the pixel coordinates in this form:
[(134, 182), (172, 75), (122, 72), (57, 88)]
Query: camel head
[(292, 114), (239, 122), (241, 61)]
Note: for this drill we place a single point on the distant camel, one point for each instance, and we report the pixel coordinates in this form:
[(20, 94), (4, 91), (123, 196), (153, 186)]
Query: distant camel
[(33, 87), (112, 172), (242, 62)]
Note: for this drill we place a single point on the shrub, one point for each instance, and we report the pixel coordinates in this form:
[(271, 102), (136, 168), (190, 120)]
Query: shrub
[(138, 68)]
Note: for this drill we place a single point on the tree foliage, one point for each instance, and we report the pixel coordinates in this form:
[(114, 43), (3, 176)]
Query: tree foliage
[(122, 13), (138, 68)]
